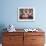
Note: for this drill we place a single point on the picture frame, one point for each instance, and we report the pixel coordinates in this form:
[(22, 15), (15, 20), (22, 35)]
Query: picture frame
[(26, 14)]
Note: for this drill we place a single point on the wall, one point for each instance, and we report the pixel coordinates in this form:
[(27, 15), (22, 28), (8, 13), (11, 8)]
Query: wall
[(9, 13)]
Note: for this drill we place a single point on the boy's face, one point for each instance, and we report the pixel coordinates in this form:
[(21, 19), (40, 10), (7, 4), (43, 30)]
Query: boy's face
[(26, 11)]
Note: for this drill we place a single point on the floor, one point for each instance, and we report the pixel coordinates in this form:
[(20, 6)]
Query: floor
[(0, 44)]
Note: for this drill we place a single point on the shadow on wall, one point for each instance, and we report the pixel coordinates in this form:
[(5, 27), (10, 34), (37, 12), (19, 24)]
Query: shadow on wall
[(2, 26)]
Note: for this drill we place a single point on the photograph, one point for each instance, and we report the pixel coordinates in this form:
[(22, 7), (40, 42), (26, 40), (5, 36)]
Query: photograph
[(26, 14)]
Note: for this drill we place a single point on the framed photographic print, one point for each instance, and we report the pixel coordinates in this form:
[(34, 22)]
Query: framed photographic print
[(26, 14)]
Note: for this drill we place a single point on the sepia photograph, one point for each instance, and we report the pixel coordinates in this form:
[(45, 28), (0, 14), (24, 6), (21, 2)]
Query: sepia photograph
[(26, 14)]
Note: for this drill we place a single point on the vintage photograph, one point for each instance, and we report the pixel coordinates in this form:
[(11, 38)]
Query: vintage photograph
[(26, 14)]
